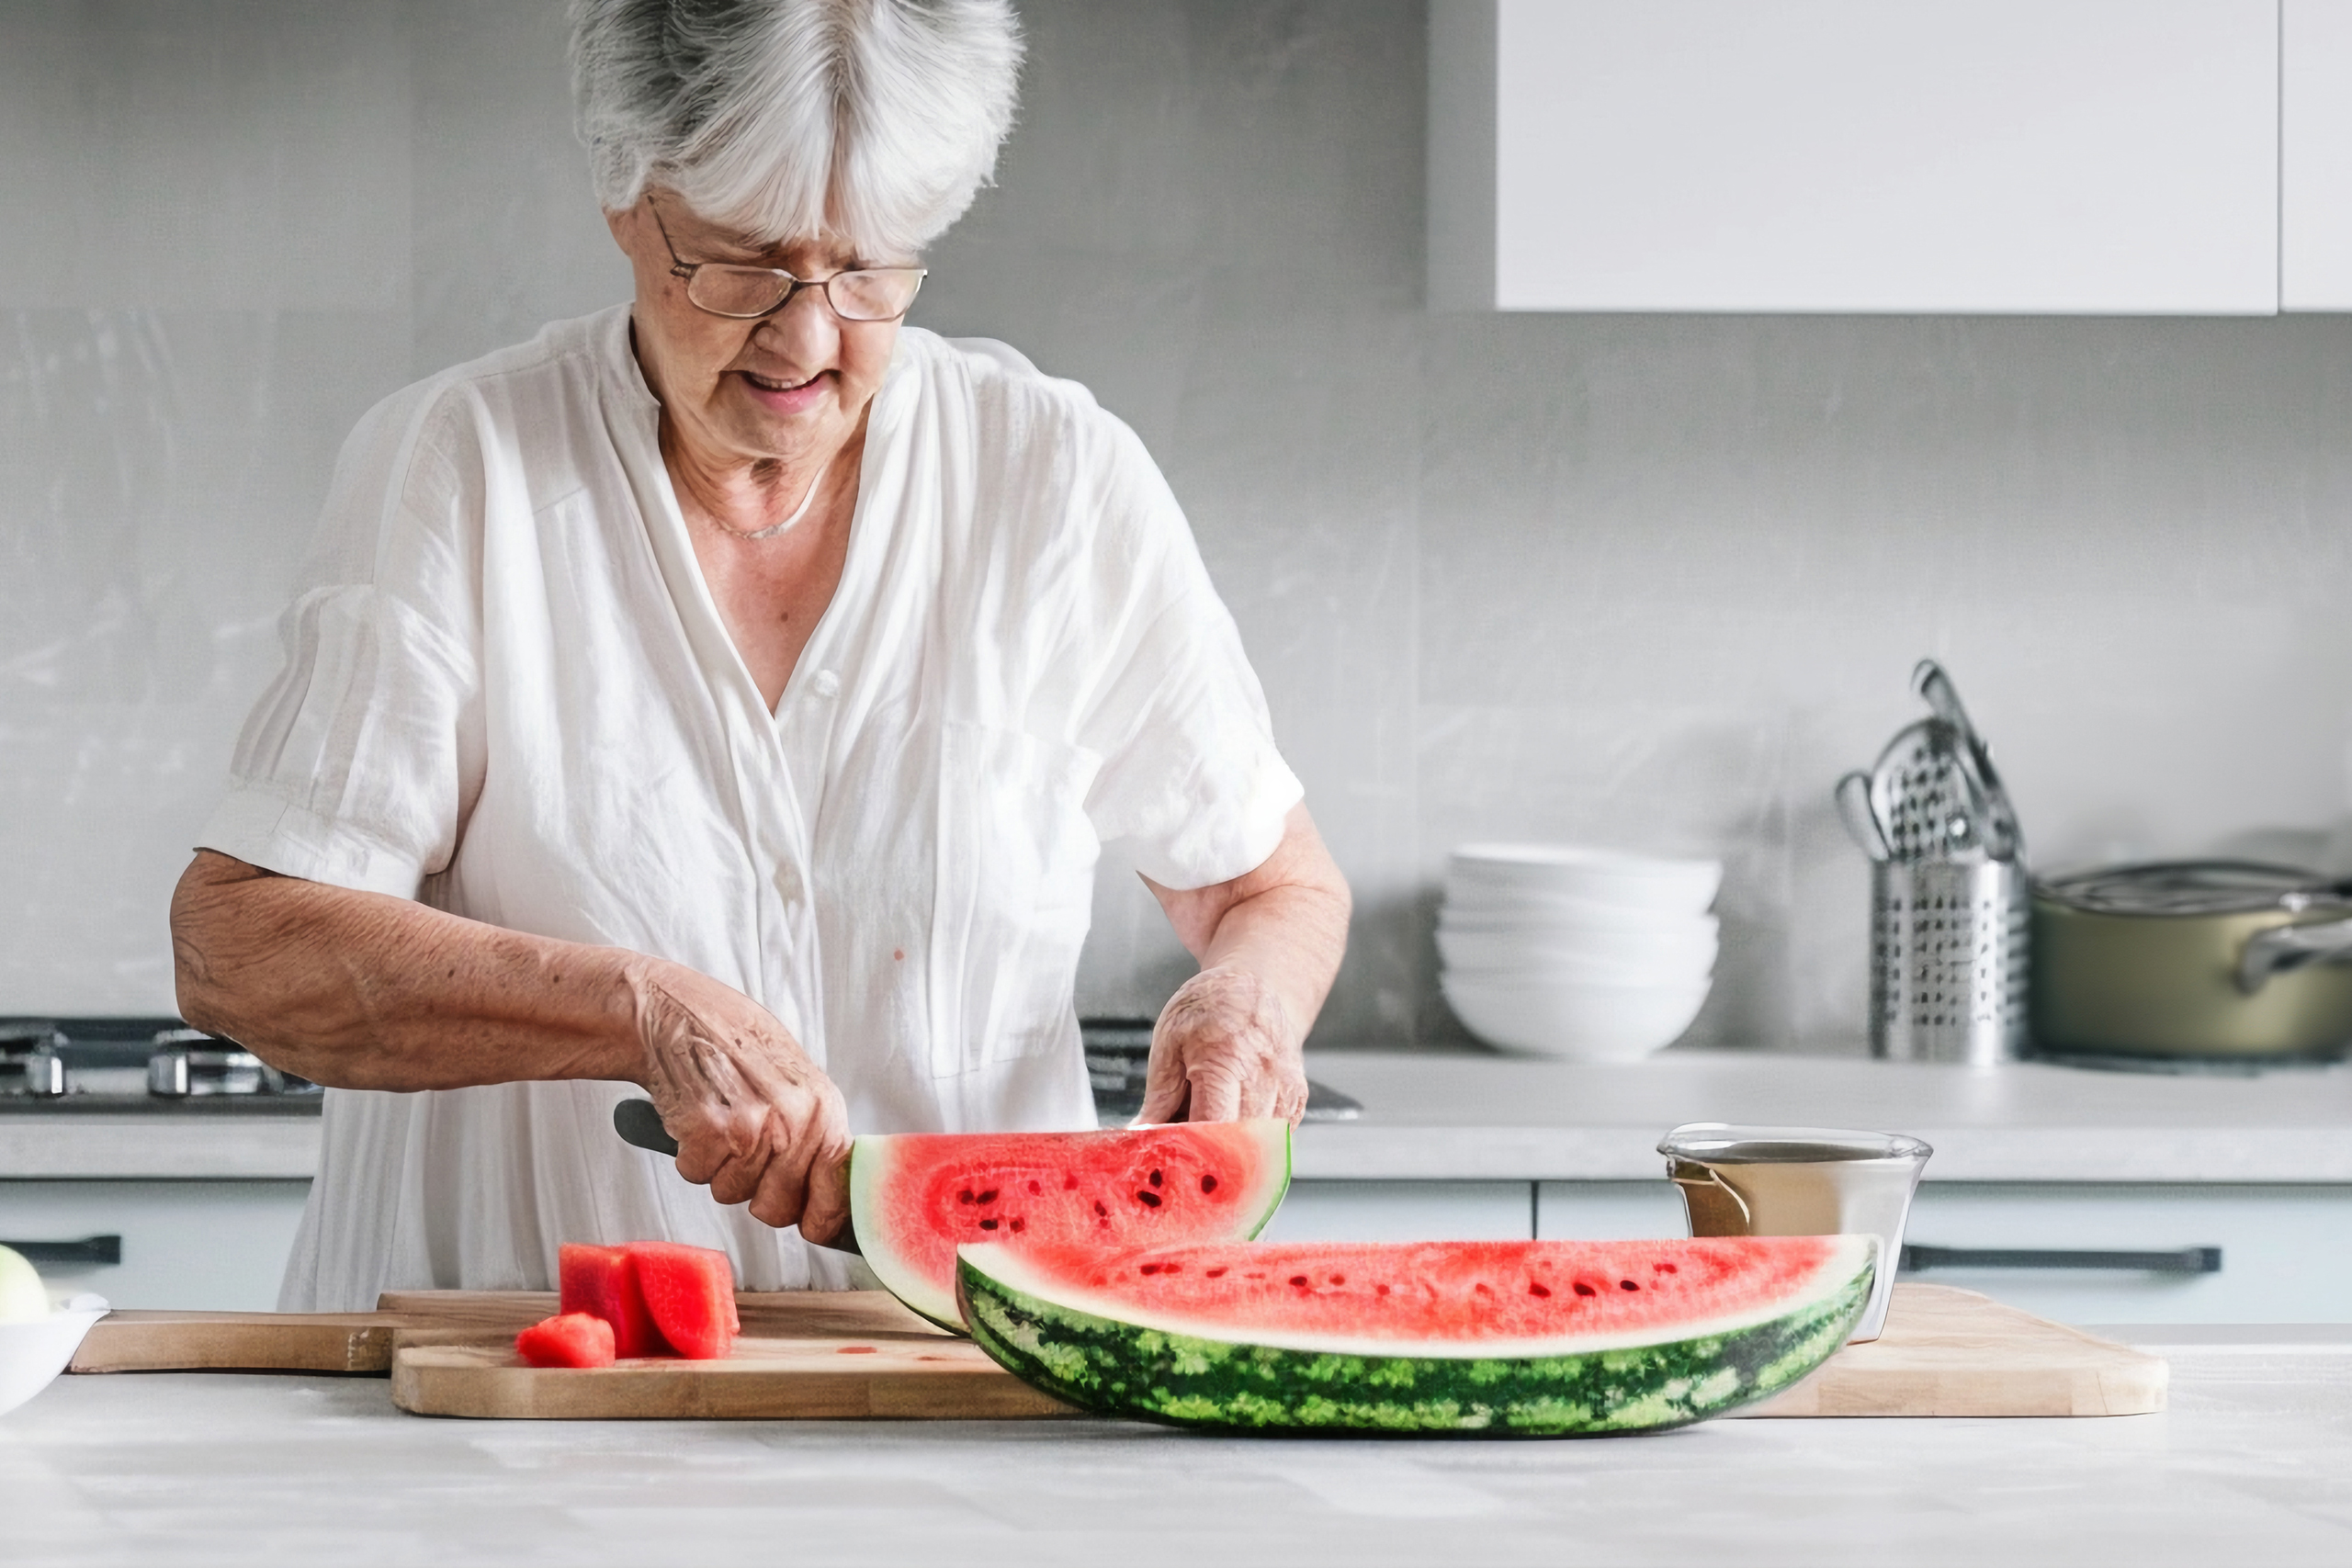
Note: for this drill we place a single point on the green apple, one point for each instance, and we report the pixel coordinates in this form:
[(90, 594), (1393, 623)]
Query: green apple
[(21, 1295)]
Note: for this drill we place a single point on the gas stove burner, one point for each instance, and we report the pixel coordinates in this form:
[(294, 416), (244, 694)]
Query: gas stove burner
[(190, 1062), (96, 1064), (28, 1060)]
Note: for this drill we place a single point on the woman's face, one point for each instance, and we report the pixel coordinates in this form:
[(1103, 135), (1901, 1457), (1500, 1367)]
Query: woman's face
[(791, 386)]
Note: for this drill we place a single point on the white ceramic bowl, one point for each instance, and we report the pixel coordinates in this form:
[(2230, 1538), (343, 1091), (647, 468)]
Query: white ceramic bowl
[(1574, 1021), (1571, 871), (33, 1351), (1638, 957)]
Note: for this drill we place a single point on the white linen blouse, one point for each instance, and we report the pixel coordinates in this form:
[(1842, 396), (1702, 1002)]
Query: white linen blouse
[(508, 693)]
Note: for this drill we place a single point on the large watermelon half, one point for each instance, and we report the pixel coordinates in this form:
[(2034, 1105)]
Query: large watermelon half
[(1522, 1338), (915, 1197)]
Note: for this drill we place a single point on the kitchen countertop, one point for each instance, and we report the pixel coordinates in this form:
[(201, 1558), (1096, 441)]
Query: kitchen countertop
[(1463, 1116), (2253, 1462)]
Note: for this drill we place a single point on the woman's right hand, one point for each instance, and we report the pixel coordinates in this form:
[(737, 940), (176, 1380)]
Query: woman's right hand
[(754, 1116)]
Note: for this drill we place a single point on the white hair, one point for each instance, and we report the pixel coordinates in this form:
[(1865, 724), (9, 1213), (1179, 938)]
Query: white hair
[(875, 122)]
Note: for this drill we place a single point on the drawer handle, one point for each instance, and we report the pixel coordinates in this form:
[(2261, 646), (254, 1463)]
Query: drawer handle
[(2179, 1260), (89, 1250)]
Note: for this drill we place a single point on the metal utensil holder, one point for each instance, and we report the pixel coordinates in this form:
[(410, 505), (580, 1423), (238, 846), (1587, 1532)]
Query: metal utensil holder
[(1948, 945)]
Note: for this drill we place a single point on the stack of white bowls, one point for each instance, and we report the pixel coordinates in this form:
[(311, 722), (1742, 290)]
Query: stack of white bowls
[(1583, 954)]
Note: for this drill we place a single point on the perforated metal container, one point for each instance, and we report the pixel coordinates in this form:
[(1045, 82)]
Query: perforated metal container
[(1950, 946)]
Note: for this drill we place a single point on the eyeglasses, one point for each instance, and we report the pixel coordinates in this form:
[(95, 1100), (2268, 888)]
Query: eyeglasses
[(747, 293)]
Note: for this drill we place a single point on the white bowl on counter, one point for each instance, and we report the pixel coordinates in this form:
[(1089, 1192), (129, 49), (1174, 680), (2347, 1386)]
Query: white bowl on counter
[(1574, 1021), (1684, 955), (1477, 873), (34, 1350)]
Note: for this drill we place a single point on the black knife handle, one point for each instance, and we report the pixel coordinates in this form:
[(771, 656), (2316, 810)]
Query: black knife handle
[(637, 1122)]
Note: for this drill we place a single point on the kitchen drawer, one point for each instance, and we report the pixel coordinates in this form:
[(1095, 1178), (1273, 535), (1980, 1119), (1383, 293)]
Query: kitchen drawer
[(2285, 1251), (1405, 1211), (208, 1246)]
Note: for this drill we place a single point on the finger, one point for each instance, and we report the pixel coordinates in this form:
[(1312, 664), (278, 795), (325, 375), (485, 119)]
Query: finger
[(1164, 1088), (783, 1193), (1216, 1095), (826, 1217)]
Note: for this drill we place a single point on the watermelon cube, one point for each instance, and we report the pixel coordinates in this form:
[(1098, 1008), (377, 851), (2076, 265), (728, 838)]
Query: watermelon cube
[(603, 1283), (571, 1339), (690, 1291)]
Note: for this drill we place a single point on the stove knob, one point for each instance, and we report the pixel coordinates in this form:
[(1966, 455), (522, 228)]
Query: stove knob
[(167, 1074)]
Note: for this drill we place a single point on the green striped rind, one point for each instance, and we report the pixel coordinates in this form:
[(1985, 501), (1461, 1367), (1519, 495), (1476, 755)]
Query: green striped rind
[(1117, 1369)]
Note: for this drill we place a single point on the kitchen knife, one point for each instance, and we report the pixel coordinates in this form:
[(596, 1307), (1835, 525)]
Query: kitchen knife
[(637, 1122)]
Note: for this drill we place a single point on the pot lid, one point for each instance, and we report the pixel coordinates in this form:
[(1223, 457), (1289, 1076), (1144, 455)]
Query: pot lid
[(2194, 887)]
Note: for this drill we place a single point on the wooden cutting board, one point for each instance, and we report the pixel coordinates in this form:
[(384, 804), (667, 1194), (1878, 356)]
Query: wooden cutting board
[(1955, 1352), (860, 1354)]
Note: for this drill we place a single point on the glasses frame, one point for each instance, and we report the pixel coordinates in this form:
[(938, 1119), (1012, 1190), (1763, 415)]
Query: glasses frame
[(686, 270)]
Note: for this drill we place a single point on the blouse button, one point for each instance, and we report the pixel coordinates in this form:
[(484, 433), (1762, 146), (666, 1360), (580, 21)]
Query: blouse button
[(825, 684)]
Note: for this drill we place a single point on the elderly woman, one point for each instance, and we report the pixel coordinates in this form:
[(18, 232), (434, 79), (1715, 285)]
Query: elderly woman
[(730, 695)]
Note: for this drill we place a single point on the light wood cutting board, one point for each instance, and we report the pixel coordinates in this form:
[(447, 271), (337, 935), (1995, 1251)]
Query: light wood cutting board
[(1953, 1352), (860, 1354)]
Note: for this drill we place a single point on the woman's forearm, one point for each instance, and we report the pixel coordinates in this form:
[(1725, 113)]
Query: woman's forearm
[(363, 991), (1284, 924)]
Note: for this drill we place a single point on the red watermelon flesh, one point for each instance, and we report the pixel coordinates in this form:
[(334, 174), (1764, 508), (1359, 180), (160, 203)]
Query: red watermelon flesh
[(571, 1339), (915, 1197), (690, 1294), (1438, 1298), (603, 1283)]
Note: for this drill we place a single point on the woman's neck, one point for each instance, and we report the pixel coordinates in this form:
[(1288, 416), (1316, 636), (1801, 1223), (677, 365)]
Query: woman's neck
[(752, 498)]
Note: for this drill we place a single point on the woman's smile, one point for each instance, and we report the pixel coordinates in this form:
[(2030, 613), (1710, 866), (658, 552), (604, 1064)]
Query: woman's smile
[(784, 397)]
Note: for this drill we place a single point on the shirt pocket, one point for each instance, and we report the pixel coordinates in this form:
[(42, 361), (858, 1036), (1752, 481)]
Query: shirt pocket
[(1013, 896)]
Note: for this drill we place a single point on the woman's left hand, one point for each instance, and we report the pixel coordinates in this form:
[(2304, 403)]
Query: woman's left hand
[(1225, 1048)]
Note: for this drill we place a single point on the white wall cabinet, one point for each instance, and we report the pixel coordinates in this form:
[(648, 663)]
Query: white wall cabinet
[(1981, 156)]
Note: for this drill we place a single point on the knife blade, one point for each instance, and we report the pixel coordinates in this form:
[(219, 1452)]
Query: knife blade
[(637, 1122)]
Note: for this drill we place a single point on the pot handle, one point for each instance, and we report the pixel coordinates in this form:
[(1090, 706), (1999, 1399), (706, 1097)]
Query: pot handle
[(2282, 948)]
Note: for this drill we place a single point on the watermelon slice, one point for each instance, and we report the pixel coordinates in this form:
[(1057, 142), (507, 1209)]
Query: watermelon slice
[(914, 1197), (569, 1339), (1524, 1338), (602, 1282), (690, 1295)]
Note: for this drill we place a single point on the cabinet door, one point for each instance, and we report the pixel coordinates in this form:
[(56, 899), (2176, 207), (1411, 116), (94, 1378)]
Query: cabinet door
[(2315, 155), (187, 1245), (1406, 1210), (1991, 156)]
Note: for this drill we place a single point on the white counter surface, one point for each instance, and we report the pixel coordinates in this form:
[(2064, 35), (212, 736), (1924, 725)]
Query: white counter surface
[(1463, 1116), (2253, 1464), (1455, 1117)]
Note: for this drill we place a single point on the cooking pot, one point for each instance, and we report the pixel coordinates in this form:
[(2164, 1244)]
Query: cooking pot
[(2192, 958)]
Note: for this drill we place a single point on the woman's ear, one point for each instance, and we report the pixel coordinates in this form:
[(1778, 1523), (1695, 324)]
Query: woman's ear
[(624, 227)]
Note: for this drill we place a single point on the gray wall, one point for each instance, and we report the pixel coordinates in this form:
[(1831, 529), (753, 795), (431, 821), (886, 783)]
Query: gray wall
[(1643, 581)]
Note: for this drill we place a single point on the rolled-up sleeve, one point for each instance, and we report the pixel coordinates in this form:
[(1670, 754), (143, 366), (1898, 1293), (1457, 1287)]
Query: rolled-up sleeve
[(357, 764), (1192, 784)]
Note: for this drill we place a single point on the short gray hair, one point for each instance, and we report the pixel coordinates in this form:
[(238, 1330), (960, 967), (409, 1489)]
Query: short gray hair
[(874, 120)]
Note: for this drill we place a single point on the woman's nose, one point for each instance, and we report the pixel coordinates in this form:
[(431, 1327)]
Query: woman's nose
[(805, 332)]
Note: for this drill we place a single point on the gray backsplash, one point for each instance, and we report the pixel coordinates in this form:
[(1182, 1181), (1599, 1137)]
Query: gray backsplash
[(1642, 581)]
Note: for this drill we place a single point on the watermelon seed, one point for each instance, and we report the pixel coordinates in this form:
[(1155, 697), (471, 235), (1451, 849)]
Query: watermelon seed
[(1484, 1288), (1155, 1179), (1034, 1188), (987, 1197), (1585, 1289), (988, 1225), (1299, 1279), (1151, 1197), (1018, 1224), (1208, 1183), (1148, 1268), (1339, 1279), (1069, 1182), (1216, 1273), (1665, 1268), (1382, 1288), (1538, 1291), (964, 1196), (1627, 1285)]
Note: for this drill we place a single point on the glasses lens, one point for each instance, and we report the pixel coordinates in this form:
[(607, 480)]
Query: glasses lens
[(881, 294), (737, 291)]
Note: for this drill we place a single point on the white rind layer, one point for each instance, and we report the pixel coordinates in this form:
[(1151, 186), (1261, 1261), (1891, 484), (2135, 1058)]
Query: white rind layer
[(1013, 1273)]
